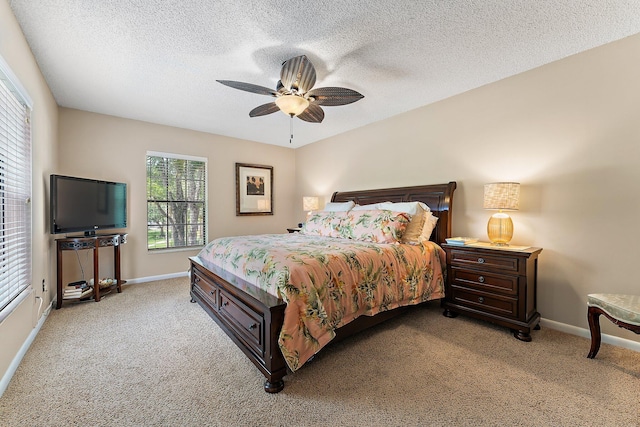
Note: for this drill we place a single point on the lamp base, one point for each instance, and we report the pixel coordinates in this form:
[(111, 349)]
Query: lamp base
[(500, 229)]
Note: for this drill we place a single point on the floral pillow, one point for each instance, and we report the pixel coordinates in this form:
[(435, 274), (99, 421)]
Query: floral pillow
[(378, 226), (324, 223)]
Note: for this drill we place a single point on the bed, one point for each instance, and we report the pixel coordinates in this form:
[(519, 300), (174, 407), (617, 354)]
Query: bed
[(257, 320)]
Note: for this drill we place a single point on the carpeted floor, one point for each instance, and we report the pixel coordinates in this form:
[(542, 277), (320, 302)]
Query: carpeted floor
[(150, 357)]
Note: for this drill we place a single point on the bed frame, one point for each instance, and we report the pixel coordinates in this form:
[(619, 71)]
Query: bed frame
[(252, 318)]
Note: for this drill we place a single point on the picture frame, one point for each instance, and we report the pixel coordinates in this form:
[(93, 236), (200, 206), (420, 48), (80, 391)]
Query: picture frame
[(254, 189)]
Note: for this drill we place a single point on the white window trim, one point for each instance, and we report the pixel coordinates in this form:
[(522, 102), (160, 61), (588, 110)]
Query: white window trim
[(177, 156), (14, 85), (205, 160)]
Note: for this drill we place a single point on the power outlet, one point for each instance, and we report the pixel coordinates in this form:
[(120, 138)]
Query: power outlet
[(44, 289)]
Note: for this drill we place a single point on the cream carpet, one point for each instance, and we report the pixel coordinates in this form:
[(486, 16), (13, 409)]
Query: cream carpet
[(148, 357)]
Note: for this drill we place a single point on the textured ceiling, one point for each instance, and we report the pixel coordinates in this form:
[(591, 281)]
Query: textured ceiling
[(158, 60)]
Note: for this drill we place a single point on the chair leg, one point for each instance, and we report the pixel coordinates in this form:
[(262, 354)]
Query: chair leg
[(593, 315)]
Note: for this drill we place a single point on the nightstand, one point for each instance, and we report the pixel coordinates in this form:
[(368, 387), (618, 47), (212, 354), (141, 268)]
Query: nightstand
[(493, 283)]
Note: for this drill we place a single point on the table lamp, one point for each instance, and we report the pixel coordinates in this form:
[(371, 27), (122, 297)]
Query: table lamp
[(309, 203), (501, 196)]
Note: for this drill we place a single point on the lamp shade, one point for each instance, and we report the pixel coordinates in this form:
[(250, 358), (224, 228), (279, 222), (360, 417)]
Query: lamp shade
[(292, 105), (502, 196), (310, 203)]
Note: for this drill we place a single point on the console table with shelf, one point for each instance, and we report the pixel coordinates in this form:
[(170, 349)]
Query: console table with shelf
[(93, 243)]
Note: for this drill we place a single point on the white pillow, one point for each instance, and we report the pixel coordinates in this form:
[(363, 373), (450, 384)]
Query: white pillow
[(407, 207), (371, 207), (339, 206)]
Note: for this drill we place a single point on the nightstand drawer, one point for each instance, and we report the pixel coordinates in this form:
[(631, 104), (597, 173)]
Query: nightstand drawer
[(488, 282), (484, 261), (502, 306)]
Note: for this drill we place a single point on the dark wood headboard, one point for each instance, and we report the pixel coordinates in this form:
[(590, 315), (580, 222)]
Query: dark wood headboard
[(439, 198)]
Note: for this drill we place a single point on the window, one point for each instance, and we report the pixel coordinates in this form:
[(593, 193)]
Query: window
[(15, 191), (176, 201)]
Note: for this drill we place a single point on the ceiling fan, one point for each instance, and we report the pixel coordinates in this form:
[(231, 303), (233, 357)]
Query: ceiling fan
[(294, 94)]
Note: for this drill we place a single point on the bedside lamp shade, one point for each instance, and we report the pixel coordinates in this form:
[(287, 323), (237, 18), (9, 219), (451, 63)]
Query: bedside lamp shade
[(309, 204), (501, 196)]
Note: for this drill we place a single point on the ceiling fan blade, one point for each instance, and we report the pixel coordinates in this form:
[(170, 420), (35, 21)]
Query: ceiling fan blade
[(332, 96), (248, 87), (264, 109), (298, 74), (313, 114)]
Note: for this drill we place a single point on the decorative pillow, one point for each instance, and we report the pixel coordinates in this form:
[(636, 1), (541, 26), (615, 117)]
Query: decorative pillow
[(413, 233), (419, 213), (323, 223), (339, 206), (429, 224), (378, 226)]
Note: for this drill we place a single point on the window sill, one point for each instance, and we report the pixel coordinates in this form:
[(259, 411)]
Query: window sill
[(167, 250)]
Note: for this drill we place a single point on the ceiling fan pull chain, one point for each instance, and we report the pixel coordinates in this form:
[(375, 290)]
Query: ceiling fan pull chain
[(291, 129)]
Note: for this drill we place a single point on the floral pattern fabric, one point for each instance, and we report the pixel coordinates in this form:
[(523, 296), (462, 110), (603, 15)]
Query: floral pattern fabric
[(328, 224), (378, 226), (328, 282)]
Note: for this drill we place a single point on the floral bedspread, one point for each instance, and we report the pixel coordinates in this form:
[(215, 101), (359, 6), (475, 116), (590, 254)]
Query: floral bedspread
[(328, 282)]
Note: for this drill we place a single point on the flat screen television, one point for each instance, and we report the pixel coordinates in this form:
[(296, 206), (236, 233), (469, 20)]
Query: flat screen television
[(86, 205)]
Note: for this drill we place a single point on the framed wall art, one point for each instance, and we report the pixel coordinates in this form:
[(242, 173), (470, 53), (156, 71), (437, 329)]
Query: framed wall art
[(254, 189)]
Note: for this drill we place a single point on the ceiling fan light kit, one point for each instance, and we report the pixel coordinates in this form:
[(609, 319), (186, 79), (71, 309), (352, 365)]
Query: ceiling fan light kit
[(292, 105), (294, 94)]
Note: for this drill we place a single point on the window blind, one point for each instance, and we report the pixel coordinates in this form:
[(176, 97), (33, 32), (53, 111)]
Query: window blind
[(15, 194), (176, 201)]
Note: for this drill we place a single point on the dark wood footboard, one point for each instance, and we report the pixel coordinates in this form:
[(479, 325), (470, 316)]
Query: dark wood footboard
[(251, 317)]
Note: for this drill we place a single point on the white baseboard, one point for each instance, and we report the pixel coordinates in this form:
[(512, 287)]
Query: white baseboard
[(159, 277), (6, 378), (151, 279), (582, 332)]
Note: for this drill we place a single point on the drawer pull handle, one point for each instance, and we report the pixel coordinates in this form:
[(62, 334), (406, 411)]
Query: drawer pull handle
[(481, 279), (253, 326), (226, 303), (212, 292), (197, 279), (480, 260), (480, 300)]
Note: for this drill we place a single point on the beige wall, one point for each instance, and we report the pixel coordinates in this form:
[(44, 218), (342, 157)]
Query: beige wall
[(15, 51), (110, 148), (568, 132)]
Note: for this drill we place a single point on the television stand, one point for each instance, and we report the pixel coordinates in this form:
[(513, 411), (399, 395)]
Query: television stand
[(94, 243)]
